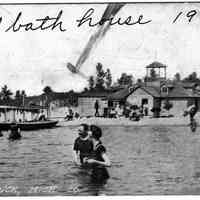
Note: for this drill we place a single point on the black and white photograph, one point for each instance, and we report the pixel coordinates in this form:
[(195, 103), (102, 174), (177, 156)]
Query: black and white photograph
[(99, 99)]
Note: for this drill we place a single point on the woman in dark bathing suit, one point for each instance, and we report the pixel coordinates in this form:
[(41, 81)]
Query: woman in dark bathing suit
[(99, 160)]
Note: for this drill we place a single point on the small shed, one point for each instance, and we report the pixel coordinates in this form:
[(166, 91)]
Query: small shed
[(86, 102)]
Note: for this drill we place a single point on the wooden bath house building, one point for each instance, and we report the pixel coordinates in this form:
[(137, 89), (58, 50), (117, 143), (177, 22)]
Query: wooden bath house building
[(153, 94)]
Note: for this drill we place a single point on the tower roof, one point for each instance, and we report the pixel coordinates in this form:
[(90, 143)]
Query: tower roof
[(156, 65)]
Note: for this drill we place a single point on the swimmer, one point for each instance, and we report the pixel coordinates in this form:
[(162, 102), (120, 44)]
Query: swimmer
[(14, 132), (100, 159)]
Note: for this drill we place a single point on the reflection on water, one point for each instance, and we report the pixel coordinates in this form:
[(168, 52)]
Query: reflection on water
[(145, 160)]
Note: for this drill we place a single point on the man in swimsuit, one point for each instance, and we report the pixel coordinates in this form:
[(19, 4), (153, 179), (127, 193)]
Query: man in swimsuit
[(83, 146)]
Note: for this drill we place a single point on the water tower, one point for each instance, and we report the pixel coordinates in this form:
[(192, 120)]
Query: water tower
[(156, 73)]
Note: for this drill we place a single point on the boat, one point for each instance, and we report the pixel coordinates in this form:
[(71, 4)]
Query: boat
[(35, 125), (26, 125), (30, 125)]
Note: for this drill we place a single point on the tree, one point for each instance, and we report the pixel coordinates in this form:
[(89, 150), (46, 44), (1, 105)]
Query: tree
[(100, 77), (192, 77), (48, 95), (72, 98), (85, 89), (47, 90), (108, 79), (6, 94), (91, 82), (125, 80), (139, 81), (177, 77), (20, 97), (17, 95)]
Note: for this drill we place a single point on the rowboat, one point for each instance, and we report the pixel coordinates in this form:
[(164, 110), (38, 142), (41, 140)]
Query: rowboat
[(30, 125)]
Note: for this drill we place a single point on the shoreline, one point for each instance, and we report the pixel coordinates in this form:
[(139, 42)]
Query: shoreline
[(144, 122)]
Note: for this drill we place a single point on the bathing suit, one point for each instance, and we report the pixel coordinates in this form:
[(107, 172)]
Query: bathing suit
[(99, 173), (84, 146)]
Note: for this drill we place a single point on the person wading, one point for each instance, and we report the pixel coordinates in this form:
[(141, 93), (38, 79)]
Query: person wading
[(83, 146), (14, 132), (99, 160)]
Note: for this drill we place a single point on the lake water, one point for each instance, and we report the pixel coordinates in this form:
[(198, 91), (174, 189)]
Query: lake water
[(145, 160)]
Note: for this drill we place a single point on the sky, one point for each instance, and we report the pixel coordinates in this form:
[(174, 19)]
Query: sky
[(31, 60)]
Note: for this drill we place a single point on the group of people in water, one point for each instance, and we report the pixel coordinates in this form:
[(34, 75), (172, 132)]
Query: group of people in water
[(14, 132), (90, 153)]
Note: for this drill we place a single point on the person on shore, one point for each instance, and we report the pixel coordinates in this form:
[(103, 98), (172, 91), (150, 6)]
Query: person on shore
[(191, 110), (99, 160), (42, 116), (96, 107), (1, 134), (15, 132), (83, 146), (69, 114)]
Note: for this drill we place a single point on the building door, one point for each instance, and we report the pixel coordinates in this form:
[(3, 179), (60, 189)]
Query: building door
[(144, 101)]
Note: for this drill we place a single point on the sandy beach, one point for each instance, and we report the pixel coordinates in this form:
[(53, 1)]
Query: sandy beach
[(145, 121)]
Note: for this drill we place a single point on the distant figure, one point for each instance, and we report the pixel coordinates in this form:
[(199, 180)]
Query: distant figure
[(42, 116), (83, 146), (113, 113), (69, 115), (100, 160), (76, 115), (126, 111), (96, 107), (1, 134), (145, 106), (141, 111), (191, 110), (14, 132), (119, 111)]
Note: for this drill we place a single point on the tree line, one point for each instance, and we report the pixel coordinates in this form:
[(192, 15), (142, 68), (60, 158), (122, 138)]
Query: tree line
[(6, 95), (102, 80)]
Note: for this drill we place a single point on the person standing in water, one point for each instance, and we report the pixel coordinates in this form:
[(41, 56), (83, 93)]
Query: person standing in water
[(83, 146), (15, 132), (99, 160)]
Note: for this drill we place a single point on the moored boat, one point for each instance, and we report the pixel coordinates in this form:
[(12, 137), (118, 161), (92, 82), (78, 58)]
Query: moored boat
[(30, 125), (26, 124), (35, 125)]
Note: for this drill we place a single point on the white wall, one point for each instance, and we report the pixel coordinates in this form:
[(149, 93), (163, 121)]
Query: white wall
[(179, 106), (86, 105), (137, 96)]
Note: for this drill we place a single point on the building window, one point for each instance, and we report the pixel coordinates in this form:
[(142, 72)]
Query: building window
[(164, 89)]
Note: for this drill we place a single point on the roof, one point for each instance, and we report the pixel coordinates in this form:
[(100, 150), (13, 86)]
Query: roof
[(123, 93), (153, 91), (94, 94), (175, 91), (188, 84), (180, 92), (156, 65), (119, 95)]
